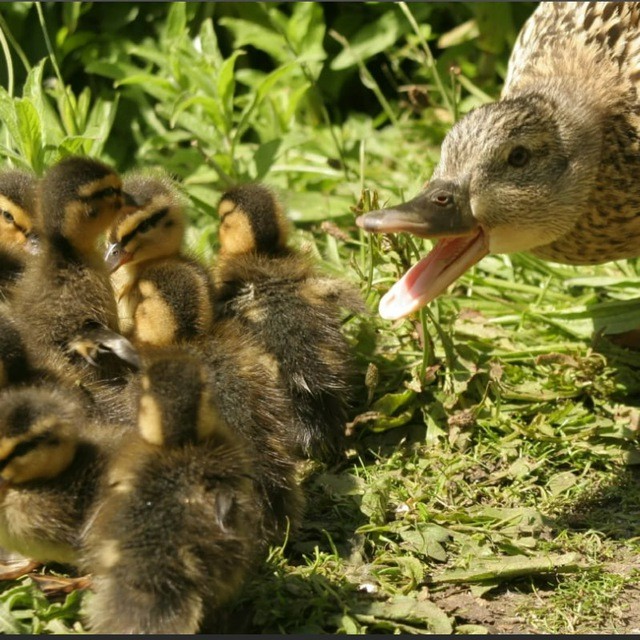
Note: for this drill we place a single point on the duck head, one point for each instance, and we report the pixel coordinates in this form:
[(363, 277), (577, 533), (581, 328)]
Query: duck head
[(17, 210), (79, 199), (154, 230), (251, 220), (513, 176), (38, 434)]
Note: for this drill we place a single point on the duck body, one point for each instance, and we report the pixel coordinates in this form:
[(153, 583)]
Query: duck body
[(175, 530), (550, 168), (279, 296)]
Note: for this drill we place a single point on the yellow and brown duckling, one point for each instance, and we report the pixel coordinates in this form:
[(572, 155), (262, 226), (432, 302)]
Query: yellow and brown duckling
[(18, 238), (253, 403), (51, 461), (167, 298), (551, 168), (65, 306), (294, 311), (163, 295), (174, 534)]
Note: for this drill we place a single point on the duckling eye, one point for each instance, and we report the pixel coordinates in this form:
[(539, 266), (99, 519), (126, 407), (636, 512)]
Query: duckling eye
[(7, 216), (519, 156)]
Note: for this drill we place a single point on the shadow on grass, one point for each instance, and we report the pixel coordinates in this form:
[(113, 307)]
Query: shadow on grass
[(612, 509)]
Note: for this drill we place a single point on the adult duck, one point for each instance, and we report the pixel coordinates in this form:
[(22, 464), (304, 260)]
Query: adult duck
[(551, 168)]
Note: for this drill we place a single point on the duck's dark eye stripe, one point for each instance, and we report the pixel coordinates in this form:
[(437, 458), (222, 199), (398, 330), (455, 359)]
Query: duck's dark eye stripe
[(102, 193), (145, 225), (26, 446)]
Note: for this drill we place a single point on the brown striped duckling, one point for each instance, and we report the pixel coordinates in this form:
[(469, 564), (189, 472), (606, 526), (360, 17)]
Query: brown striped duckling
[(551, 168), (171, 304), (163, 295), (18, 238), (292, 309), (174, 534), (65, 306), (51, 460)]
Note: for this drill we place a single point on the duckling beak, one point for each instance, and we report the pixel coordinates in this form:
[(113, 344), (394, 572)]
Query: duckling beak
[(115, 256), (440, 211)]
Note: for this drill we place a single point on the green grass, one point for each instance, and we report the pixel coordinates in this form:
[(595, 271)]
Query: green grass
[(489, 483)]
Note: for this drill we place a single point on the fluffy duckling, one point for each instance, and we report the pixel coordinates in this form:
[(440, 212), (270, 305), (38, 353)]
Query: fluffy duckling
[(551, 168), (281, 298), (175, 531), (163, 295), (51, 459), (251, 401), (17, 235), (170, 302), (65, 305)]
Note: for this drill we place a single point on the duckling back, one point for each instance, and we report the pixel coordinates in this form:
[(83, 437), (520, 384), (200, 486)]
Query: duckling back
[(293, 310), (174, 534)]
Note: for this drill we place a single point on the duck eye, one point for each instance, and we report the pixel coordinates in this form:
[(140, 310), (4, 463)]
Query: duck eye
[(519, 156), (7, 216)]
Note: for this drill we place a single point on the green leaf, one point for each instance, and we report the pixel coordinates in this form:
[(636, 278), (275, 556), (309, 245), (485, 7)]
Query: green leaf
[(176, 21), (9, 623), (509, 567), (372, 39), (405, 608), (258, 36), (226, 86), (426, 539), (30, 132)]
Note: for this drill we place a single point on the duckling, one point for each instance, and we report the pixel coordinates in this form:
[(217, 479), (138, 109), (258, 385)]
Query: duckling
[(65, 301), (51, 459), (169, 299), (252, 402), (174, 534), (550, 168), (281, 298), (163, 295), (17, 235)]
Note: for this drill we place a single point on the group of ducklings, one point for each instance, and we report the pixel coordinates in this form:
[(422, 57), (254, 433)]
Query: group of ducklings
[(153, 409)]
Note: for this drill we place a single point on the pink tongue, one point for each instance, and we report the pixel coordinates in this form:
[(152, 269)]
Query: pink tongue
[(448, 260)]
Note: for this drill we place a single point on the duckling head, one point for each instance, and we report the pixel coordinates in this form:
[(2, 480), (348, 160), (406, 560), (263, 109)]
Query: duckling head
[(155, 230), (513, 176), (17, 210), (79, 199), (251, 221), (38, 434), (175, 404)]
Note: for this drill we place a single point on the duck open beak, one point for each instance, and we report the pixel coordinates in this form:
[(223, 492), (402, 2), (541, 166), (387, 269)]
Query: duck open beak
[(437, 212)]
